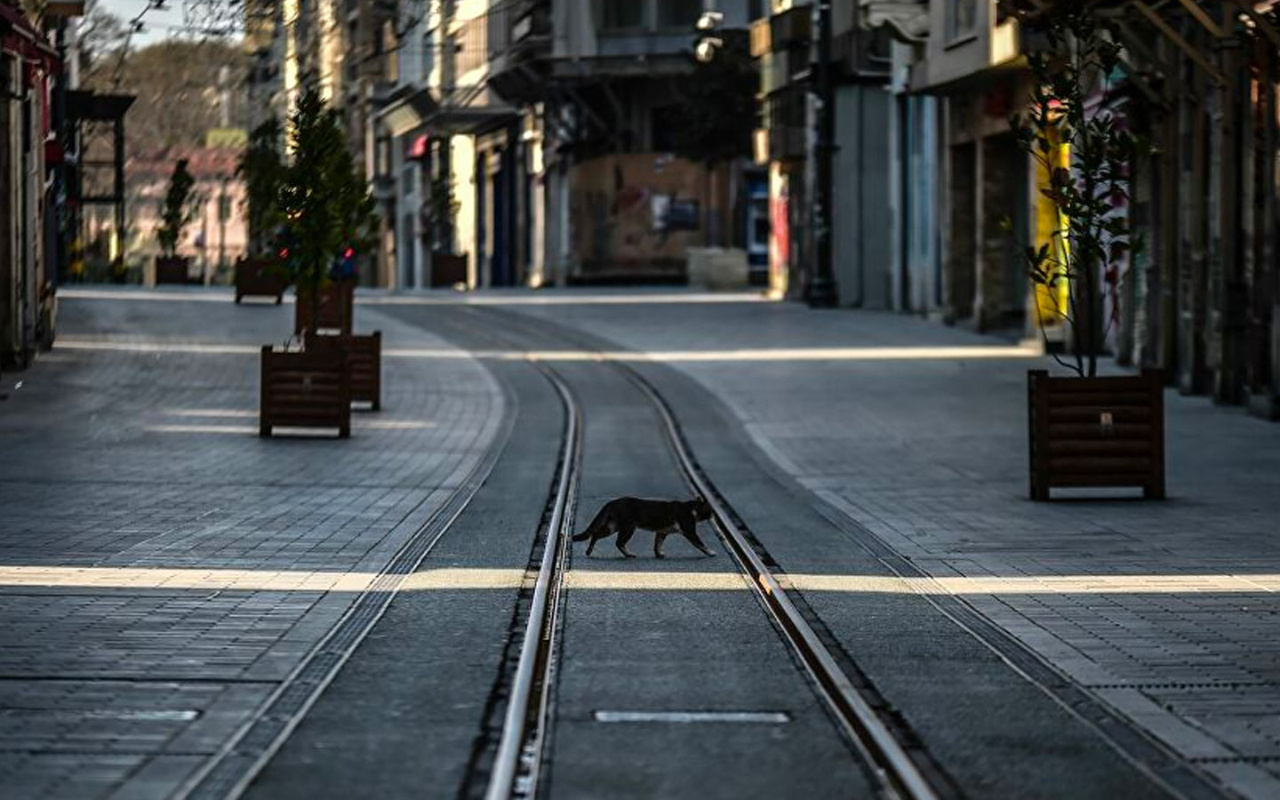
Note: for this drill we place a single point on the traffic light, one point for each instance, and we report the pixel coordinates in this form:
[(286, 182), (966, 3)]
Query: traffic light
[(708, 43)]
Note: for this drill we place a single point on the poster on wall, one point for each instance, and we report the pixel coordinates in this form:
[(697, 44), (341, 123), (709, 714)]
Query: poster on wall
[(670, 214), (780, 231)]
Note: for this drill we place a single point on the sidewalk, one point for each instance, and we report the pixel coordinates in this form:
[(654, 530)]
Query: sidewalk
[(1166, 610), (162, 569)]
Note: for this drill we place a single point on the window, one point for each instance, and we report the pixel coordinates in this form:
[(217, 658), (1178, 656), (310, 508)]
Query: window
[(623, 14), (678, 13), (962, 18), (382, 157)]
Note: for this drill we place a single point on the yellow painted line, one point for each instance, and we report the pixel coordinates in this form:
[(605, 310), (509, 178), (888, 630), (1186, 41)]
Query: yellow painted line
[(624, 580), (665, 581), (788, 354)]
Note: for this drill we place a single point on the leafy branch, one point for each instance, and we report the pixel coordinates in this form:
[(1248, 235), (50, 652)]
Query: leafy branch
[(1071, 110)]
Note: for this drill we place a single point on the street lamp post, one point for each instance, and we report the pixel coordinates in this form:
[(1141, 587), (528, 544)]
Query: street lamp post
[(821, 291)]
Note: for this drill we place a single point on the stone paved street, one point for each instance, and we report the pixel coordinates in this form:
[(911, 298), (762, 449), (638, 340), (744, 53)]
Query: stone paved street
[(169, 581), (1168, 611), (162, 570)]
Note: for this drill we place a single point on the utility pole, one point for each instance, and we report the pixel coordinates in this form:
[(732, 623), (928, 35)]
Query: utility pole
[(821, 291)]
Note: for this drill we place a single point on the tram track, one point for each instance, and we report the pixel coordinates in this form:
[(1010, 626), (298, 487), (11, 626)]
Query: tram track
[(894, 764)]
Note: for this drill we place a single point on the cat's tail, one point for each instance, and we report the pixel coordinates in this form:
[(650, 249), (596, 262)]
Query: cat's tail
[(601, 518)]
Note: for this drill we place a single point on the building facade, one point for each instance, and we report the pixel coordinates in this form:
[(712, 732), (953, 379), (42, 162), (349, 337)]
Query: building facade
[(533, 139), (1198, 80), (34, 233)]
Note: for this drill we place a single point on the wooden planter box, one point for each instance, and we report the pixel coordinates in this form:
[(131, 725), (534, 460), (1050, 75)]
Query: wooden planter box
[(337, 304), (305, 390), (173, 270), (255, 277), (1096, 432), (364, 363), (447, 270)]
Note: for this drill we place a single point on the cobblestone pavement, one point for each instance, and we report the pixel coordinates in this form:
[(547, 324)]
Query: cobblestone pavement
[(1166, 610), (163, 570)]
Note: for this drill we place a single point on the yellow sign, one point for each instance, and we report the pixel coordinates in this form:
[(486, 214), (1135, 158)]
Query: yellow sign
[(1051, 229), (226, 137)]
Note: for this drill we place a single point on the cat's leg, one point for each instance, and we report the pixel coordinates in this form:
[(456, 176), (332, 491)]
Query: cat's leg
[(658, 538), (599, 533), (625, 532), (690, 530)]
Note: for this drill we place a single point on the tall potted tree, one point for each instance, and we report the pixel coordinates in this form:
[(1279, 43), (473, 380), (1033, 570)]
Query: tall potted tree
[(328, 214), (174, 217), (262, 170), (1085, 429), (327, 211)]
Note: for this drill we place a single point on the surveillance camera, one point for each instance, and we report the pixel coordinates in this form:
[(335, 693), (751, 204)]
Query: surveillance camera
[(710, 20), (706, 49)]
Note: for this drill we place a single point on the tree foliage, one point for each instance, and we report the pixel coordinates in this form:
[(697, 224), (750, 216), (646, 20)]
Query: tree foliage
[(324, 200), (177, 208), (718, 110), (101, 34), (262, 169), (177, 87), (1072, 106)]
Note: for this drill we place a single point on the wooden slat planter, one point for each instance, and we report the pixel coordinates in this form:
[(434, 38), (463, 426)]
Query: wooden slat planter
[(337, 304), (447, 270), (305, 390), (173, 270), (364, 363), (1096, 432), (255, 277)]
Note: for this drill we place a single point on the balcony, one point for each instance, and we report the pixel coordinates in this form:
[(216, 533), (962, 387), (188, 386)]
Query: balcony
[(972, 41), (863, 54), (518, 47), (786, 30)]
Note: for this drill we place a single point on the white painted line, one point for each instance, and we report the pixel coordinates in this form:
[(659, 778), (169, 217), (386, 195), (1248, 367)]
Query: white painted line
[(684, 717), (185, 715)]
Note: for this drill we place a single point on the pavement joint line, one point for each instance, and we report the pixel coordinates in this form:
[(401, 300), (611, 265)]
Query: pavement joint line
[(226, 775)]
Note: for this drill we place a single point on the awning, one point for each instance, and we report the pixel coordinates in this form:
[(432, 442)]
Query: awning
[(406, 109), (409, 109), (97, 107)]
